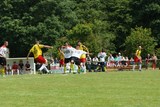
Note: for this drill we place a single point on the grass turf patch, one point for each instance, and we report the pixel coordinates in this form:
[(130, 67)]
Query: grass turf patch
[(112, 89)]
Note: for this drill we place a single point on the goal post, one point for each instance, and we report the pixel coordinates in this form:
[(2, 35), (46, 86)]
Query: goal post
[(24, 59)]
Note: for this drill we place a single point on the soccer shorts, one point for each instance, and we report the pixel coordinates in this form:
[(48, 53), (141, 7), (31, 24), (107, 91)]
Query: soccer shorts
[(3, 61), (40, 59)]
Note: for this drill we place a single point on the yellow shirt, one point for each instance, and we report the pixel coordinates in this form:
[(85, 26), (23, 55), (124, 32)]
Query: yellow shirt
[(138, 53), (61, 56), (84, 48), (36, 50)]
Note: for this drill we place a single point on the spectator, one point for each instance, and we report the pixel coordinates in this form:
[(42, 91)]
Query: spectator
[(15, 68), (27, 66), (56, 61), (110, 60), (154, 61), (102, 55), (148, 58), (95, 63), (88, 63), (82, 68), (127, 61), (131, 61), (21, 65), (119, 59), (123, 61)]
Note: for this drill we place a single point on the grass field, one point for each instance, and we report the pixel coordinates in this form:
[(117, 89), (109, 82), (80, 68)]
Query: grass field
[(112, 89)]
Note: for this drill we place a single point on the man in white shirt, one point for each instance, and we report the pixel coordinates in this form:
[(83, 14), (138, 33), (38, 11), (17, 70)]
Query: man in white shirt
[(68, 51), (3, 55), (95, 63), (102, 55)]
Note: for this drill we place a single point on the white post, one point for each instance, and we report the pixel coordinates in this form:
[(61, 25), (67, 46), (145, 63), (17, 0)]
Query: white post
[(34, 69)]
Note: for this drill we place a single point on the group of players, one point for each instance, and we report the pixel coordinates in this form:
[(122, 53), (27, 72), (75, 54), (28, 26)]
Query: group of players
[(67, 54)]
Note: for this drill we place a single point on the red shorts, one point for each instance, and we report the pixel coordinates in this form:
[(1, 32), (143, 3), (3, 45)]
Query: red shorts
[(40, 59), (61, 62), (136, 59), (83, 60)]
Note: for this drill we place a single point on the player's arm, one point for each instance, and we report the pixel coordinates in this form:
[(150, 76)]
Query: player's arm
[(29, 52), (61, 51), (47, 46), (85, 48)]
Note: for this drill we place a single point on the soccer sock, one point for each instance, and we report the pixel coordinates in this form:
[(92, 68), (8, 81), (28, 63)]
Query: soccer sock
[(3, 71), (140, 66), (133, 67), (79, 70), (64, 69), (72, 67), (42, 67), (46, 69)]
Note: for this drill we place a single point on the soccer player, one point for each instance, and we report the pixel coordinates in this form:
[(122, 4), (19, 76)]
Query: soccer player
[(3, 55), (67, 51), (138, 58), (61, 56), (37, 52), (84, 48), (76, 54)]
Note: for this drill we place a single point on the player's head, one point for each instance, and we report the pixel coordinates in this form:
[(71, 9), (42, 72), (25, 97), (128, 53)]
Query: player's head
[(37, 41), (6, 43), (79, 43), (67, 44), (77, 47), (139, 47), (102, 50)]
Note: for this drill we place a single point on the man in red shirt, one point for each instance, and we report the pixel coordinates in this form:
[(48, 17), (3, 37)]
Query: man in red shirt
[(15, 68)]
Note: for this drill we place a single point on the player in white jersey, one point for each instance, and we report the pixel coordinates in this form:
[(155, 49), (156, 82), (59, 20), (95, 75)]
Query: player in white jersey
[(67, 50), (77, 53), (3, 55)]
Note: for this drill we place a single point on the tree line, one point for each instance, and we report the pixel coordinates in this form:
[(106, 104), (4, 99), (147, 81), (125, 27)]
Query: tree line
[(115, 25)]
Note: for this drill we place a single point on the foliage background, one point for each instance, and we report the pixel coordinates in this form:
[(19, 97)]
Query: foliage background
[(108, 24)]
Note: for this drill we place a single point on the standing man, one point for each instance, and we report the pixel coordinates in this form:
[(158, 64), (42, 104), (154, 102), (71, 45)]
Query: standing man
[(148, 58), (37, 52), (138, 58), (102, 55), (3, 55)]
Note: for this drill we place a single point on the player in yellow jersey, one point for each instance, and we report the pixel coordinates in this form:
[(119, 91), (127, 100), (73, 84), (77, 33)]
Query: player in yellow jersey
[(37, 52), (61, 61), (138, 58), (83, 56), (84, 48)]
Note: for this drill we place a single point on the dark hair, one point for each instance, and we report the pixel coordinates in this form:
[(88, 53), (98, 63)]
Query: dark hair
[(102, 50)]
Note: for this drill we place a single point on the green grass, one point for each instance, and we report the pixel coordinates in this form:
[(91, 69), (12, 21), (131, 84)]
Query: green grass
[(112, 89)]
